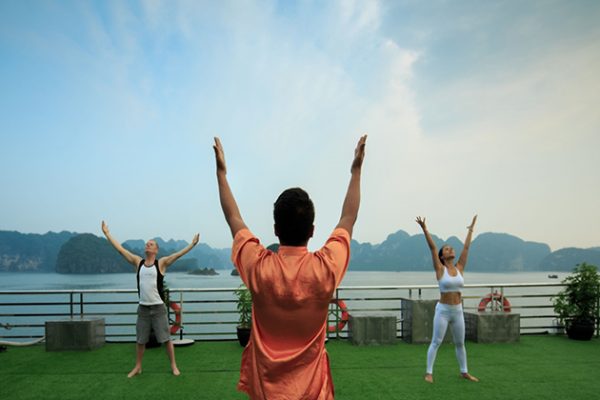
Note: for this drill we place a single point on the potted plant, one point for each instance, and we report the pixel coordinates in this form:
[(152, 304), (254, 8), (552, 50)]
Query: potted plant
[(577, 304), (244, 307)]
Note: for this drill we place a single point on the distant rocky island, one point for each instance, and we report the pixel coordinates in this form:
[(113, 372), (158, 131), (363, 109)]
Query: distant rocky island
[(203, 271), (73, 253)]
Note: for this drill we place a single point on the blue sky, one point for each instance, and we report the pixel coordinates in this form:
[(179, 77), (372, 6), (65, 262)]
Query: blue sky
[(108, 109)]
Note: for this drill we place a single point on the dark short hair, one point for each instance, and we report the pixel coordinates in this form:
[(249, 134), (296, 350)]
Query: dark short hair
[(441, 253), (294, 215)]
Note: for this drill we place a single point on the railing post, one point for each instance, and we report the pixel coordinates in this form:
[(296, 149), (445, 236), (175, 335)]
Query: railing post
[(181, 315), (71, 304), (337, 312), (598, 312), (80, 304)]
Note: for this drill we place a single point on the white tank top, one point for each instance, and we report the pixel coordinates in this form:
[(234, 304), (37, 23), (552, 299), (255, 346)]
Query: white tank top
[(148, 291), (450, 283)]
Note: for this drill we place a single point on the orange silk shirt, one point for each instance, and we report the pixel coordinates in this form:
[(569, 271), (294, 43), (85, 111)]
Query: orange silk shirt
[(291, 290)]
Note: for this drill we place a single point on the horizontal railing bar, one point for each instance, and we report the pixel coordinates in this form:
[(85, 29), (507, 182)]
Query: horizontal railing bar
[(210, 323), (36, 315), (543, 326), (42, 304), (512, 307), (120, 335), (210, 312), (527, 307), (113, 291), (466, 286), (20, 337), (106, 314), (205, 301), (67, 291), (216, 290), (372, 298)]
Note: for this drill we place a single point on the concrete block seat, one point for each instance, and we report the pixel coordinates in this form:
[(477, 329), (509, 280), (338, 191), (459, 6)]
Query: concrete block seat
[(75, 334)]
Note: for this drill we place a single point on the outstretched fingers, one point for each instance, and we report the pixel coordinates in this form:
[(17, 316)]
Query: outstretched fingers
[(359, 152), (219, 155), (218, 144), (473, 222), (360, 147)]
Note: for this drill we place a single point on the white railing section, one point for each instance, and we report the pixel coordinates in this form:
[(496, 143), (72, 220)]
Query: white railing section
[(210, 314)]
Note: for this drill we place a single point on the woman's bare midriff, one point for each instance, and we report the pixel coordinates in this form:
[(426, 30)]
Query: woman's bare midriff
[(452, 298)]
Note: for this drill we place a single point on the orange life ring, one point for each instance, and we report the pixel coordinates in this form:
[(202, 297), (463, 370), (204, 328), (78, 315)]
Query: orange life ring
[(177, 323), (342, 323), (496, 297)]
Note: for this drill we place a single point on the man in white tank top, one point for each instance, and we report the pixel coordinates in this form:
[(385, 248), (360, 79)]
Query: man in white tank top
[(152, 311)]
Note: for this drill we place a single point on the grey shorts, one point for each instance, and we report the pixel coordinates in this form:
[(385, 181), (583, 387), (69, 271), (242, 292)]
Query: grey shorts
[(154, 317)]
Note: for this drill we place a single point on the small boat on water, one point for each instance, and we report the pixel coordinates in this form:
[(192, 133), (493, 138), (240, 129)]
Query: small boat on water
[(552, 276)]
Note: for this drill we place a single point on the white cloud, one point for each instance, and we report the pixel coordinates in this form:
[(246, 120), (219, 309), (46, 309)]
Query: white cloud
[(520, 145)]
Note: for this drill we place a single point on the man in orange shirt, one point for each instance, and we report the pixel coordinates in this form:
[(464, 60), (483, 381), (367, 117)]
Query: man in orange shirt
[(291, 289)]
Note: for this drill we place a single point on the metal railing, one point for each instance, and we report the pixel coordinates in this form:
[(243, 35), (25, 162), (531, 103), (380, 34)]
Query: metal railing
[(210, 314)]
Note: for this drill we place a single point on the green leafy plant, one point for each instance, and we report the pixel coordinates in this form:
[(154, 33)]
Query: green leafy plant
[(244, 306), (578, 301)]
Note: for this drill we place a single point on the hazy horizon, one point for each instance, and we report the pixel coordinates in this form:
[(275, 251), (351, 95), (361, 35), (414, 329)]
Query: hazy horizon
[(312, 243)]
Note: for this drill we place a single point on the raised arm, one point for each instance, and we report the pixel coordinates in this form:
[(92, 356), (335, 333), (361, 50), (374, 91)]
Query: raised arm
[(131, 258), (167, 261), (462, 260), (437, 264), (228, 203), (352, 200)]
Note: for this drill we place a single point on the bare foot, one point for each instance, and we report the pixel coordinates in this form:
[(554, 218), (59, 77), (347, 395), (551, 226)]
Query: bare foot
[(135, 371), (176, 371), (429, 378), (469, 377)]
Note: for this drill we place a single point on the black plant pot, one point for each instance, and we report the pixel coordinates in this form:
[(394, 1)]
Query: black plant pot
[(243, 335), (580, 329)]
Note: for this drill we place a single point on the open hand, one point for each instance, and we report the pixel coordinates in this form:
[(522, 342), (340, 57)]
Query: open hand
[(421, 222), (470, 227), (104, 228), (196, 239), (219, 156), (359, 153)]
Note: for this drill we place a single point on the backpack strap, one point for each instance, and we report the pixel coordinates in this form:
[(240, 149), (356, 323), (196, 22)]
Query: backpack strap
[(159, 281), (137, 275)]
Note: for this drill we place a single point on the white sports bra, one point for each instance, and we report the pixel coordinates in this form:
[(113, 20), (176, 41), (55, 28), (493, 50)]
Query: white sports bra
[(449, 283)]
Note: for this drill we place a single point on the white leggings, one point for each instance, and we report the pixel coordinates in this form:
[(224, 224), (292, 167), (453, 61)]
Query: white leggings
[(448, 314)]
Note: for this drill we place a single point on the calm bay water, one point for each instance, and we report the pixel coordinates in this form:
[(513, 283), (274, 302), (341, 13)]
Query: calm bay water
[(177, 280)]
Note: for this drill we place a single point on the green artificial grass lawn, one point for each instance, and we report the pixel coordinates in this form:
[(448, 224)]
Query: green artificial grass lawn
[(539, 367)]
